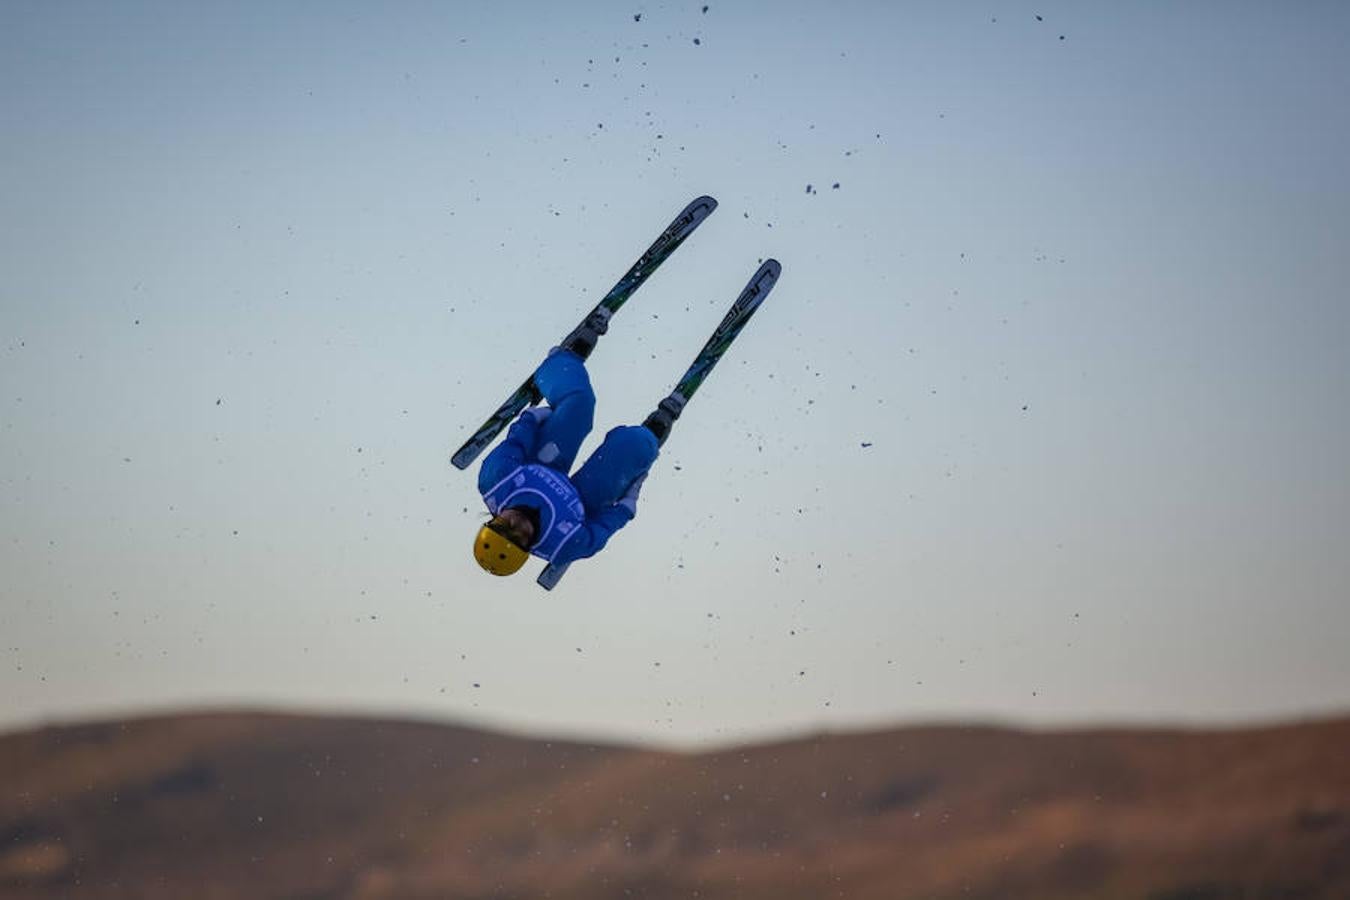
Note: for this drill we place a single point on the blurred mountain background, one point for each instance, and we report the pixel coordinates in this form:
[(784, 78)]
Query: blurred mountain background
[(269, 805)]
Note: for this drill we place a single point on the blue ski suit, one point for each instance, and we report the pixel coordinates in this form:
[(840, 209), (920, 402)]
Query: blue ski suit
[(604, 491)]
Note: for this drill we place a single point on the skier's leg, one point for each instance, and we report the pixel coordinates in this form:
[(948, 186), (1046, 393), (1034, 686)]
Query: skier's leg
[(566, 387), (625, 455)]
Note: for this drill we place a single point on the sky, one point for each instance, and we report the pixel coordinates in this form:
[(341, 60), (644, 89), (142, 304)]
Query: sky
[(1045, 422)]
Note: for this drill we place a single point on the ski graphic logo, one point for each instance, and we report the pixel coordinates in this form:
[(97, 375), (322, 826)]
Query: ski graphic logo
[(749, 300), (666, 243)]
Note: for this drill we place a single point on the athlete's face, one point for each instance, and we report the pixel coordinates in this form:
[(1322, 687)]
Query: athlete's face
[(516, 526)]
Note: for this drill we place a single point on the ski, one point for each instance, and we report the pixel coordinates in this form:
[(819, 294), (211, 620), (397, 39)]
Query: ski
[(583, 338), (669, 409), (660, 421)]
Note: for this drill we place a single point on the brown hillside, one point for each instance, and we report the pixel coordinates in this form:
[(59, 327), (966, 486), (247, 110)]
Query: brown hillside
[(305, 807)]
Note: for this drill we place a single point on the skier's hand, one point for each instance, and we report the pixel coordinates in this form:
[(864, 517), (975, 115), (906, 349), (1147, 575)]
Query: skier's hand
[(630, 497), (538, 413)]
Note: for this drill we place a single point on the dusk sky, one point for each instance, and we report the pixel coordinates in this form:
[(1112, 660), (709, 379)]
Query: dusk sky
[(1046, 422)]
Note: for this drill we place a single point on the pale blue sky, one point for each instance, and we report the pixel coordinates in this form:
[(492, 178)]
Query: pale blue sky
[(262, 269)]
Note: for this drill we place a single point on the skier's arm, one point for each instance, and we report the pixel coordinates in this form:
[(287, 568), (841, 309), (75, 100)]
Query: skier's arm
[(600, 527), (514, 451), (592, 537)]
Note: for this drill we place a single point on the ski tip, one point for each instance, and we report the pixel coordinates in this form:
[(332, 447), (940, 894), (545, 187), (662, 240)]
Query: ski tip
[(548, 579), (704, 201), (768, 272), (464, 456)]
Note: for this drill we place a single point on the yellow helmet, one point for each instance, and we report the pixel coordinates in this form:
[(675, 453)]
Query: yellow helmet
[(497, 553)]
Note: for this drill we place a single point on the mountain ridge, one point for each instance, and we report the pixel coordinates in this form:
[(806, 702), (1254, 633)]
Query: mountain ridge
[(242, 803)]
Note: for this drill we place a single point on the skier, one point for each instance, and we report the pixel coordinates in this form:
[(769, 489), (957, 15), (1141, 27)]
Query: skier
[(537, 508)]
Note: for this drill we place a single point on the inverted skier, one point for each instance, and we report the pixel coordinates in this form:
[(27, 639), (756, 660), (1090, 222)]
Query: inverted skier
[(537, 507)]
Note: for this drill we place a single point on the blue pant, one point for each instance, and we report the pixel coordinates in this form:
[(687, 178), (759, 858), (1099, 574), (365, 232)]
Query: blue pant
[(626, 453)]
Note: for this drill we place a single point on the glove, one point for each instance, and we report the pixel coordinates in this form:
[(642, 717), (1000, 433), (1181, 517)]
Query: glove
[(630, 497), (538, 413)]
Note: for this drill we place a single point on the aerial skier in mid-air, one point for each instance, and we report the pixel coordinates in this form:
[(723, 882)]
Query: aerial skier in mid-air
[(538, 505)]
